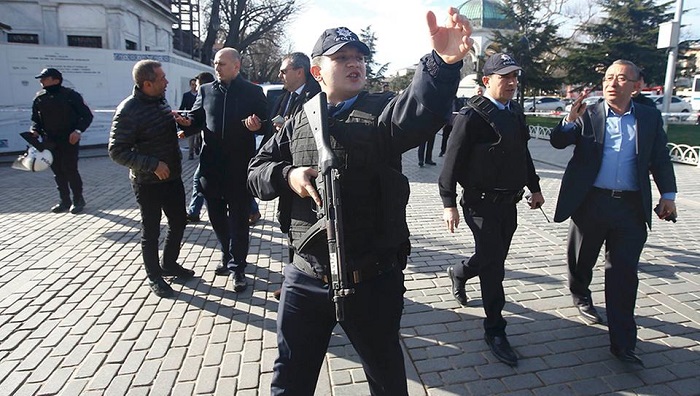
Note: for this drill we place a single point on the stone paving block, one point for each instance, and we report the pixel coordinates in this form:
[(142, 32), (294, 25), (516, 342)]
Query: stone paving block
[(76, 356), (120, 352), (190, 369), (592, 386), (104, 376), (133, 362), (120, 385), (147, 373), (183, 337), (107, 342), (12, 382), (231, 365), (186, 388), (250, 373), (688, 386), (27, 390), (522, 382), (164, 383), (145, 340), (226, 386), (207, 380), (486, 387)]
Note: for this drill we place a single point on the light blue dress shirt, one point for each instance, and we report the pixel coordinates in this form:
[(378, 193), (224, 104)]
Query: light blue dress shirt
[(618, 169)]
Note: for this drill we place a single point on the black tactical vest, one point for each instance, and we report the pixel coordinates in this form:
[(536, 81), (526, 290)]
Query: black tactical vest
[(374, 192), (500, 164)]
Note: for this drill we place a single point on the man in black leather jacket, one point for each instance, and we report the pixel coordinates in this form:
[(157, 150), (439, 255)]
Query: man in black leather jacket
[(144, 139), (229, 112), (369, 132)]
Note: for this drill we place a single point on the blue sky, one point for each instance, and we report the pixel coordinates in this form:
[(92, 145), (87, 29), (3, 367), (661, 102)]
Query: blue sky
[(399, 25)]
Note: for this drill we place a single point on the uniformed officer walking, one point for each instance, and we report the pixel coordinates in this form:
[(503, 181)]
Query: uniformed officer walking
[(487, 155), (369, 132)]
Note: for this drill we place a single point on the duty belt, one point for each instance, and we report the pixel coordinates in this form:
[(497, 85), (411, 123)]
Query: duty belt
[(357, 276), (500, 196)]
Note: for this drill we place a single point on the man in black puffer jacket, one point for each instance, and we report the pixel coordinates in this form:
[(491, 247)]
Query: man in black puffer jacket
[(144, 139)]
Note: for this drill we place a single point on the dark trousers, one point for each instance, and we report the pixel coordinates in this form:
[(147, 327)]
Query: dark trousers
[(65, 170), (493, 226), (197, 200), (619, 222), (168, 197), (425, 150), (305, 321), (445, 136), (228, 212)]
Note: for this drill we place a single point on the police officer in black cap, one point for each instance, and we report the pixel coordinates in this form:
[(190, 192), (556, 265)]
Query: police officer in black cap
[(60, 115), (487, 155), (369, 132)]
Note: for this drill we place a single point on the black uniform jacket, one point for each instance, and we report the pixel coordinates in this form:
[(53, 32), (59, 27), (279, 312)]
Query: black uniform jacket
[(57, 111), (144, 132), (470, 129), (588, 136), (228, 145)]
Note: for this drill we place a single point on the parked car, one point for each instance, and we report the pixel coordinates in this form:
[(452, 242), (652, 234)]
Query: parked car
[(544, 103), (678, 105), (272, 92), (589, 101)]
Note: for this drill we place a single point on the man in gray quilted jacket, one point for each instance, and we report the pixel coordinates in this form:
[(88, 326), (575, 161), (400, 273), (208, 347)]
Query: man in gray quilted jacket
[(144, 139)]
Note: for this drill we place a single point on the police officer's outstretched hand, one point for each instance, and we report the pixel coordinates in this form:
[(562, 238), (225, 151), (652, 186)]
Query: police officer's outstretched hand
[(300, 181), (452, 41), (451, 217)]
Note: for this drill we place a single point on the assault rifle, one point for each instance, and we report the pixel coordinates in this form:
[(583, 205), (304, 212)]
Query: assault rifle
[(316, 110)]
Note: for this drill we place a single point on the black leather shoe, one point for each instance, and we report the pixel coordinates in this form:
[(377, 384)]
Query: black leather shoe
[(458, 290), (222, 270), (178, 271), (239, 282), (500, 347), (192, 218), (61, 207), (78, 206), (160, 287), (431, 162), (628, 357), (590, 314)]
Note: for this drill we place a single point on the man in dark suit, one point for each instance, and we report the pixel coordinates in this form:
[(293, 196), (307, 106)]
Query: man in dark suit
[(188, 99), (607, 193), (299, 85), (229, 112)]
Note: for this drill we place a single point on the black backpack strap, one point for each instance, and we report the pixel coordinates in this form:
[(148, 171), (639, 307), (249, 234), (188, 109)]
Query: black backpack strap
[(485, 108)]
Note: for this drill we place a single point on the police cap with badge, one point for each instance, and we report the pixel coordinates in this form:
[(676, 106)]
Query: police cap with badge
[(500, 64), (334, 39)]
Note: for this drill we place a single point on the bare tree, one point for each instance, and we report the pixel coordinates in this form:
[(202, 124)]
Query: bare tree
[(240, 23)]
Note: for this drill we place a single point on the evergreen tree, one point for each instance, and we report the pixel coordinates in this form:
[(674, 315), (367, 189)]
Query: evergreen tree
[(629, 30), (534, 44), (375, 71)]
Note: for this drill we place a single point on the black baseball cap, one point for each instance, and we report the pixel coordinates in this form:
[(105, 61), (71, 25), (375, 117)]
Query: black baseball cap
[(500, 64), (49, 72), (334, 39)]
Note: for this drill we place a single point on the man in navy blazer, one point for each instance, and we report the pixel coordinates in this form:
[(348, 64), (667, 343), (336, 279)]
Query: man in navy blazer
[(607, 193), (229, 112)]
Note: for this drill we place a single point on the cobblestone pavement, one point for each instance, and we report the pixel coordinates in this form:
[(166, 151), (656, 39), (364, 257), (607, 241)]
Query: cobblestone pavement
[(76, 315)]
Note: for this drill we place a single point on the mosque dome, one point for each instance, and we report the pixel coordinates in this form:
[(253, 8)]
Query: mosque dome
[(485, 14)]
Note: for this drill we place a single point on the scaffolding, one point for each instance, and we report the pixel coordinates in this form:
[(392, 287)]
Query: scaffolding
[(186, 30)]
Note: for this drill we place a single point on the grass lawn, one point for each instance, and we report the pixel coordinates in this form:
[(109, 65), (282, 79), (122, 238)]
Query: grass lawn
[(677, 133)]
